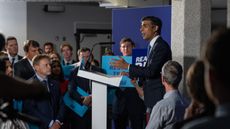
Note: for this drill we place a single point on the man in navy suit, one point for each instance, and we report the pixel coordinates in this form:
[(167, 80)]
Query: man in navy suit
[(12, 49), (23, 68), (51, 110), (158, 53)]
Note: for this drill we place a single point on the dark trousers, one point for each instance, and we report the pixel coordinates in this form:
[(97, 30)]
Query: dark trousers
[(121, 121), (77, 122)]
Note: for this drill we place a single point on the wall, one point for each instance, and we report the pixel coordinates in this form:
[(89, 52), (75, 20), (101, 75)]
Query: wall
[(43, 26), (13, 21)]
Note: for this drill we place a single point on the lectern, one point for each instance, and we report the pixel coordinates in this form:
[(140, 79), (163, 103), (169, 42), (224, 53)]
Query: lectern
[(99, 95)]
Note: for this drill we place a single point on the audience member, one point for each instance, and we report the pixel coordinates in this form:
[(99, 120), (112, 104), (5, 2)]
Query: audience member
[(24, 68), (51, 110), (58, 75), (6, 112), (200, 105), (127, 99), (21, 89), (5, 65), (55, 56), (67, 53), (12, 49), (76, 82), (216, 81), (172, 107), (85, 55), (108, 52), (158, 53), (48, 48)]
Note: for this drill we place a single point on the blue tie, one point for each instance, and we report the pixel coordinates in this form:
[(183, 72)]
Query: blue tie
[(148, 51), (46, 84)]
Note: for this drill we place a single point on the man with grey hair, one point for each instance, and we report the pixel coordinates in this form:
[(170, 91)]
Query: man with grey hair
[(172, 107)]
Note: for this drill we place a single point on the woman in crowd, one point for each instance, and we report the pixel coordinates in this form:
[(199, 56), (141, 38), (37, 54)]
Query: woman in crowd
[(7, 113), (200, 105), (57, 74)]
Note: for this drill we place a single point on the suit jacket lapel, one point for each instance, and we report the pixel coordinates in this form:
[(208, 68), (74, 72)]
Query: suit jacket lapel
[(29, 66), (152, 52)]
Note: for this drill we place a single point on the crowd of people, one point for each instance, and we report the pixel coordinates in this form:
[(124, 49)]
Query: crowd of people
[(155, 95)]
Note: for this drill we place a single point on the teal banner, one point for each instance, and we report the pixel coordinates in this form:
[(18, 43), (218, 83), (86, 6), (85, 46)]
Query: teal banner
[(75, 106), (110, 70)]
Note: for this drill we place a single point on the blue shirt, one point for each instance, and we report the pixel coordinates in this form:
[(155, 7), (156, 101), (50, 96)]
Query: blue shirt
[(167, 111)]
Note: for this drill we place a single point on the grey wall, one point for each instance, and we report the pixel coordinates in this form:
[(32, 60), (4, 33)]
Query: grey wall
[(13, 20), (43, 26)]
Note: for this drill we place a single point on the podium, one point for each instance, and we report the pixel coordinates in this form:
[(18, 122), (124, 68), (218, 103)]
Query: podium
[(99, 95)]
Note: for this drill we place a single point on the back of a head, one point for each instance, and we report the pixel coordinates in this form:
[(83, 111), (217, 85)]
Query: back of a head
[(216, 55), (172, 73), (3, 60), (196, 86), (2, 41)]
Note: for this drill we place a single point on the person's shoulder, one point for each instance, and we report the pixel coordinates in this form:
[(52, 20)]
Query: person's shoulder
[(208, 123), (53, 82), (20, 57), (20, 62)]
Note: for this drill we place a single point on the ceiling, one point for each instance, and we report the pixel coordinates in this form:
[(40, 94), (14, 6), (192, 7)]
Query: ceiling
[(216, 4)]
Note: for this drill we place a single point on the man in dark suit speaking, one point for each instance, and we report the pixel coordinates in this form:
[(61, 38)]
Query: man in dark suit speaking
[(158, 53)]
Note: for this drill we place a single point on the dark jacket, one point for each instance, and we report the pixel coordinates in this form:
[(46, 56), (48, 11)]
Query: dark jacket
[(153, 88), (23, 69), (51, 108)]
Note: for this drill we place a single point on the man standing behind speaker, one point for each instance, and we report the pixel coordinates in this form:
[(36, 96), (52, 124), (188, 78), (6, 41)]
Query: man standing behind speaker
[(12, 49), (127, 98), (158, 53)]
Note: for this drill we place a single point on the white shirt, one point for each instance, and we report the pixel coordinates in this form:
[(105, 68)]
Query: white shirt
[(11, 58), (152, 42)]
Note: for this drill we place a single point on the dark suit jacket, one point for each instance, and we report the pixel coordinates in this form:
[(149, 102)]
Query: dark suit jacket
[(153, 88), (51, 108), (13, 88), (19, 57), (76, 121), (23, 69), (83, 83)]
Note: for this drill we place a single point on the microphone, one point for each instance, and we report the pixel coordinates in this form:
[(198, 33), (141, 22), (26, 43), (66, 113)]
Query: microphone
[(88, 63)]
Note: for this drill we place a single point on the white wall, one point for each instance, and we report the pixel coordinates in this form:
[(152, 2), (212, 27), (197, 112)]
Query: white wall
[(13, 21), (43, 26)]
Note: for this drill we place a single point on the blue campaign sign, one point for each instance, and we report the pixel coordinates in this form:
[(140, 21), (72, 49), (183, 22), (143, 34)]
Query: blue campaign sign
[(139, 57), (75, 106), (110, 70), (67, 70)]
